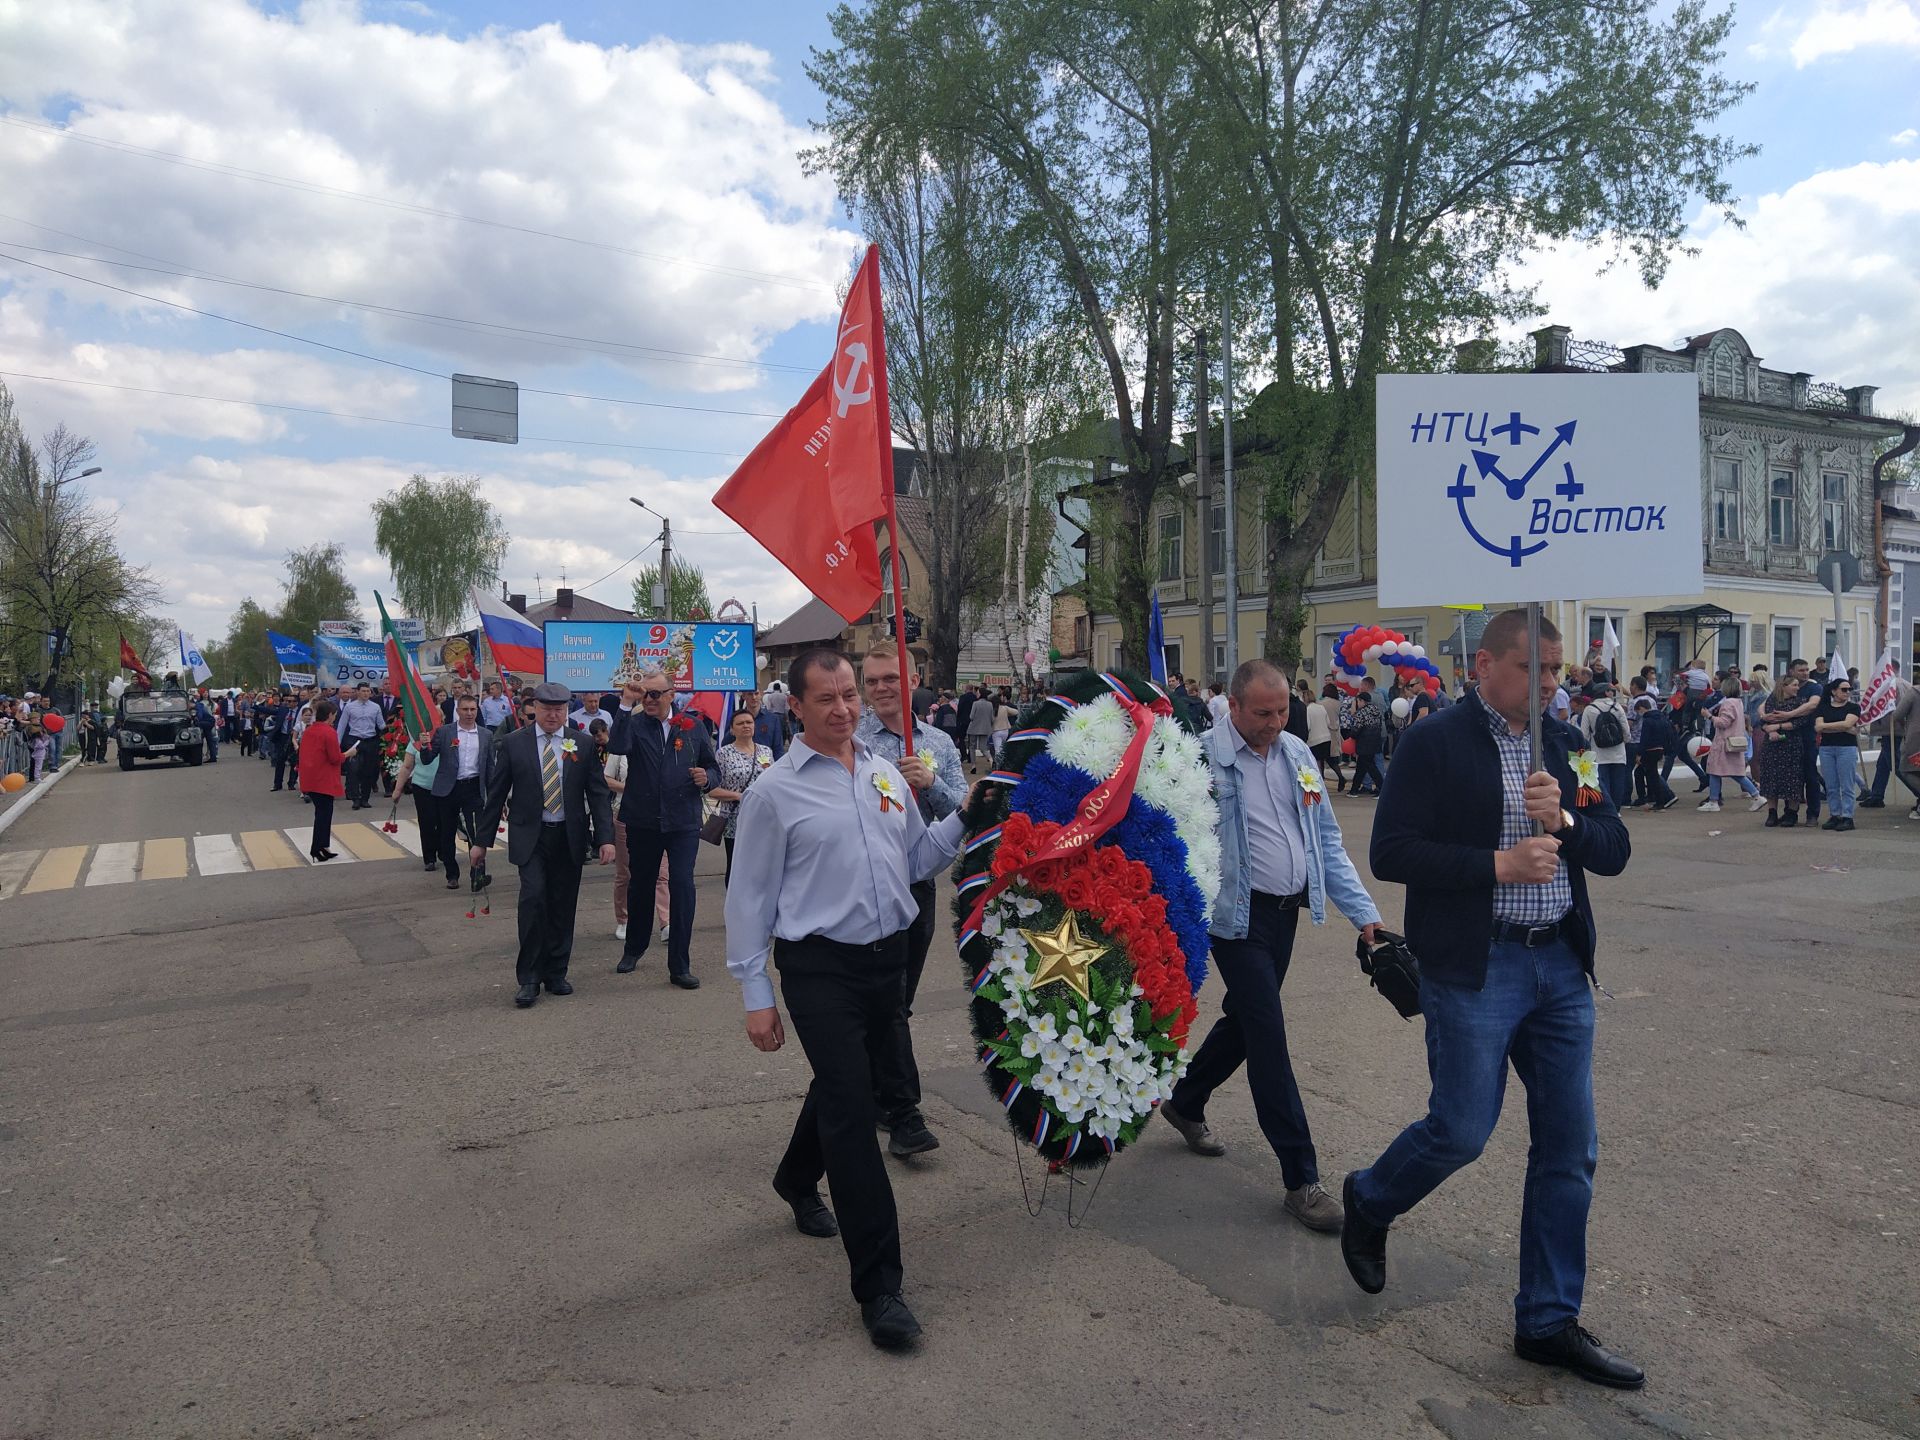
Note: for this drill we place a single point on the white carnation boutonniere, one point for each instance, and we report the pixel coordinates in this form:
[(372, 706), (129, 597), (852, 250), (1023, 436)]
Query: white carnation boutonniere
[(764, 759), (569, 749), (889, 792), (1586, 769), (1311, 789)]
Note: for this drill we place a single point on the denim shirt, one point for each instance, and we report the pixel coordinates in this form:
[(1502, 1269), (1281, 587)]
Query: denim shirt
[(1329, 870)]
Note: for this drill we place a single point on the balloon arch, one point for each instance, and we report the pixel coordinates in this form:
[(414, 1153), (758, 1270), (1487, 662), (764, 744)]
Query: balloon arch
[(1360, 645)]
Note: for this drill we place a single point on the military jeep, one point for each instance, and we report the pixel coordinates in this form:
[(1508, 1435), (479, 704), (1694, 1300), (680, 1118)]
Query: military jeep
[(157, 726)]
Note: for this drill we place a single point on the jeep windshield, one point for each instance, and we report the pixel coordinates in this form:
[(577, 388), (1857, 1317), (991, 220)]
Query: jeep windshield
[(155, 705)]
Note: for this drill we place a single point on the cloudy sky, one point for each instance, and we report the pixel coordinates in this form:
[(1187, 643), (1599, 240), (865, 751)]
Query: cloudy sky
[(608, 208)]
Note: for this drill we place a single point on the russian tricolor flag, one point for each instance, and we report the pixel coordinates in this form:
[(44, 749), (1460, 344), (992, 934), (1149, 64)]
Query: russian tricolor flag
[(518, 645)]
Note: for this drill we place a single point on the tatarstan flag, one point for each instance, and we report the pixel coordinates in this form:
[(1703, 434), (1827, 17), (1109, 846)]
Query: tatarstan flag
[(416, 707)]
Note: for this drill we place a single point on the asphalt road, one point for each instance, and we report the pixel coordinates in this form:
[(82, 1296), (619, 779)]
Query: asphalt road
[(279, 1158)]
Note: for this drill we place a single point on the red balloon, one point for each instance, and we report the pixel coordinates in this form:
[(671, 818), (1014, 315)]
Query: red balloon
[(1433, 684), (53, 724)]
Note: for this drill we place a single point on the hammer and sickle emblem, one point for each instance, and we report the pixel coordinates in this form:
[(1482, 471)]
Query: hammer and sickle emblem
[(845, 391)]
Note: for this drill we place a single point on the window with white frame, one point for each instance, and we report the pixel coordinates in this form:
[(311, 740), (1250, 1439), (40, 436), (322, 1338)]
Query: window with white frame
[(1726, 500), (1782, 527), (1726, 646), (1172, 537), (1786, 648), (1833, 510)]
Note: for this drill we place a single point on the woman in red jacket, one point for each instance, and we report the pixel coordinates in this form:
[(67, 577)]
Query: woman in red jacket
[(320, 760)]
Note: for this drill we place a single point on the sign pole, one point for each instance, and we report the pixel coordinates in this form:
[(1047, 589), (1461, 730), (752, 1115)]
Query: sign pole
[(1533, 696)]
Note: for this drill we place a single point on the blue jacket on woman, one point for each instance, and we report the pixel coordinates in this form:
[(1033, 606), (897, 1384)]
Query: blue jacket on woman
[(1438, 826), (1329, 870)]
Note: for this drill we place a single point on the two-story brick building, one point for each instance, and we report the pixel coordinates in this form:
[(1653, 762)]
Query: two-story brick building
[(1785, 476)]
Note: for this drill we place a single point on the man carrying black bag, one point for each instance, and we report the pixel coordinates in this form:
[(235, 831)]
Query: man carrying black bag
[(1501, 922)]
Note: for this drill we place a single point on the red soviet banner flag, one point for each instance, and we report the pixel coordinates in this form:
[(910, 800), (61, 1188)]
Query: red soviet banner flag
[(860, 438), (781, 496)]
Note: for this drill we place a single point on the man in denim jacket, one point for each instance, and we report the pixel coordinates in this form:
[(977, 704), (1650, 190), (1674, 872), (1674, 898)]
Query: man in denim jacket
[(1280, 849)]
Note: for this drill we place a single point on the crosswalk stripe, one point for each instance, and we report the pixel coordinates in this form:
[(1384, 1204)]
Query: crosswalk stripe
[(367, 841), (409, 837), (57, 870), (164, 860), (268, 850), (115, 863), (14, 868), (302, 837), (218, 855)]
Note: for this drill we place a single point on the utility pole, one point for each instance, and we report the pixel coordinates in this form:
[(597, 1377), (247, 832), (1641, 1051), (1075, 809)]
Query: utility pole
[(666, 568), (1203, 477), (1226, 468)]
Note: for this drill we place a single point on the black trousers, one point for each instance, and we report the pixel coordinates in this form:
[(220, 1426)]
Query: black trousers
[(322, 821), (896, 1083), (1810, 774), (427, 809), (1252, 1028), (360, 770), (644, 849), (459, 817), (843, 1001), (549, 896)]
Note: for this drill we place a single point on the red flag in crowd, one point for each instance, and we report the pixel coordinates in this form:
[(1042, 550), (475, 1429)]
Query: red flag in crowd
[(131, 661), (811, 490)]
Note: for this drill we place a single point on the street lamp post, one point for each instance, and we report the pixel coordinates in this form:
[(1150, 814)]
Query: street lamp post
[(666, 558)]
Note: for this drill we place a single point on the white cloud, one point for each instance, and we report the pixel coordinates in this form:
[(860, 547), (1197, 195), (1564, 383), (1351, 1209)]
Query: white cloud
[(1839, 29), (1820, 279), (662, 148), (1904, 137)]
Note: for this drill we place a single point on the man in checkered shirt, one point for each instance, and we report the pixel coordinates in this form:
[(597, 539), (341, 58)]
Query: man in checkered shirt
[(1501, 922)]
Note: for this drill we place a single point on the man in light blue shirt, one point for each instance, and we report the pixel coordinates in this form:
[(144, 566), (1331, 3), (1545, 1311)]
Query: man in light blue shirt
[(362, 718), (828, 845), (495, 707), (1280, 850), (932, 769)]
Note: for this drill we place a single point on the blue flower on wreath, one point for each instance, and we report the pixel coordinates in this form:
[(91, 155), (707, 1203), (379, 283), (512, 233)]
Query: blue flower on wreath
[(1050, 791)]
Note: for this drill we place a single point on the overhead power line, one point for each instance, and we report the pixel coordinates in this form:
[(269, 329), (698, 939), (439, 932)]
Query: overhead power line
[(375, 359), (367, 419), (553, 339), (314, 188)]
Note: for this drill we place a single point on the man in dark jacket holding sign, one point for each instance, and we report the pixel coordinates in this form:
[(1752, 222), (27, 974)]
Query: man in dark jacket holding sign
[(1500, 919)]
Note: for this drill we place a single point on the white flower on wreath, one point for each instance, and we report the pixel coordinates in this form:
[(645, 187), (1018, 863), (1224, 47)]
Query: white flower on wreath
[(1053, 1054), (1046, 1028), (1030, 1045)]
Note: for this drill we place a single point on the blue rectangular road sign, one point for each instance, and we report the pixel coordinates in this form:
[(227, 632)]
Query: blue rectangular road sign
[(602, 655)]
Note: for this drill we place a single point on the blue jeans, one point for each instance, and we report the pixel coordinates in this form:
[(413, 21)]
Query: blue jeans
[(1537, 1011), (1745, 782), (1616, 783), (1839, 767)]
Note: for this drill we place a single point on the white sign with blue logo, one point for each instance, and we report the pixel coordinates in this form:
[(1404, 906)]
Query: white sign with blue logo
[(1538, 487)]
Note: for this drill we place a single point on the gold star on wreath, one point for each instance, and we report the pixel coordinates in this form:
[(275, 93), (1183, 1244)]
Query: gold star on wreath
[(1065, 955)]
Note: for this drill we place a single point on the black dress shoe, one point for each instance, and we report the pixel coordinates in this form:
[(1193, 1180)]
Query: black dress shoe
[(911, 1137), (432, 865), (890, 1324), (685, 982), (1363, 1244), (627, 965), (559, 987), (810, 1213), (453, 880), (526, 995), (1575, 1348)]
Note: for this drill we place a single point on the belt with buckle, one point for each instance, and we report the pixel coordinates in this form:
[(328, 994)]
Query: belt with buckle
[(1285, 902), (1532, 936)]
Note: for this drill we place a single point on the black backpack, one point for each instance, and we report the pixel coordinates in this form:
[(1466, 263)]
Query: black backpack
[(1607, 729)]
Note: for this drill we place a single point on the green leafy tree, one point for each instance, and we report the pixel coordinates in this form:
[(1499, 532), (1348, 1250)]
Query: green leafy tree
[(1085, 113), (244, 656), (63, 583), (442, 539), (689, 600), (1395, 160), (316, 588)]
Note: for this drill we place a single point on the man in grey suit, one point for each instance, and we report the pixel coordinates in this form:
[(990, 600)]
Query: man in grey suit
[(546, 778), (466, 753)]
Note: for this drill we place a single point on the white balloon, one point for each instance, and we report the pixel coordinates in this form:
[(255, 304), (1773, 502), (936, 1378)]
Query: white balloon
[(1392, 647), (1402, 707), (1373, 652), (1419, 652), (115, 686)]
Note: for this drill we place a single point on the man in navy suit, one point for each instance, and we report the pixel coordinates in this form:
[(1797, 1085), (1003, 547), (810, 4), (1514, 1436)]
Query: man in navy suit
[(1500, 919), (670, 764), (466, 752), (549, 774)]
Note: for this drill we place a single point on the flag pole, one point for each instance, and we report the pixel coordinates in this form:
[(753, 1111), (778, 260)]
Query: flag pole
[(884, 429)]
